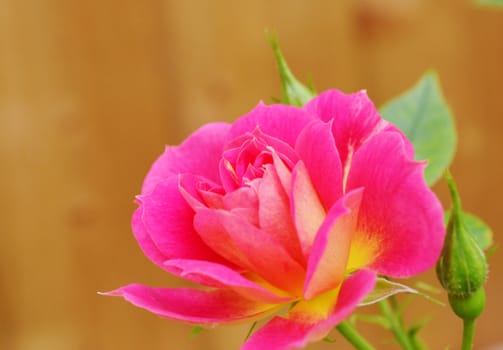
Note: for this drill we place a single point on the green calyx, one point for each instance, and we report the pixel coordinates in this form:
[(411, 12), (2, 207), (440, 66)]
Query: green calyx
[(462, 267), (470, 307)]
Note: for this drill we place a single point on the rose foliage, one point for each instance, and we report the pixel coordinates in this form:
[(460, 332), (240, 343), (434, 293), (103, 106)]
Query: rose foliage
[(289, 211)]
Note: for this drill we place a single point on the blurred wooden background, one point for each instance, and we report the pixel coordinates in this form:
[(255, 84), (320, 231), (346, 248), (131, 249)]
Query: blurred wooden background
[(91, 91)]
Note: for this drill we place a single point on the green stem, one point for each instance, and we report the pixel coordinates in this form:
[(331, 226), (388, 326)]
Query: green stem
[(415, 341), (352, 335), (468, 332), (418, 345), (397, 329), (394, 308)]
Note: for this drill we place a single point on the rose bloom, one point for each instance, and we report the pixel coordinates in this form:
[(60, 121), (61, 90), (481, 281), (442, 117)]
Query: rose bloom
[(288, 210)]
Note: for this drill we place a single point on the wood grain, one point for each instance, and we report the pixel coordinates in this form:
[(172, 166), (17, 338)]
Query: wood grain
[(91, 91)]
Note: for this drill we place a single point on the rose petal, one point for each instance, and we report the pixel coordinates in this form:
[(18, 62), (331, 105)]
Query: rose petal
[(200, 192), (199, 154), (244, 197), (219, 276), (228, 175), (143, 238), (274, 213), (400, 230), (408, 146), (278, 121), (188, 187), (355, 118), (239, 241), (192, 305), (267, 141), (307, 210), (327, 262), (250, 151), (284, 174), (316, 148), (299, 329), (167, 219), (214, 234)]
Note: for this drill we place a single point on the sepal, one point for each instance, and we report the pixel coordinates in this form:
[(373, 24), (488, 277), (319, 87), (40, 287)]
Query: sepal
[(293, 92)]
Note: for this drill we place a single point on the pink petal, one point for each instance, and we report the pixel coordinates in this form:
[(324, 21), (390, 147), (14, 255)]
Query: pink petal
[(401, 220), (284, 174), (254, 149), (244, 202), (330, 253), (219, 276), (244, 197), (279, 121), (167, 219), (239, 241), (246, 155), (188, 187), (192, 305), (143, 238), (307, 210), (210, 228), (298, 330), (199, 192), (212, 199), (355, 118), (274, 213), (316, 148), (228, 175), (409, 147), (199, 154), (265, 141)]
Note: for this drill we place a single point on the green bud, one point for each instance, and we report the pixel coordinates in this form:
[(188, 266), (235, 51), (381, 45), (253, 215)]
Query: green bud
[(462, 267), (470, 307)]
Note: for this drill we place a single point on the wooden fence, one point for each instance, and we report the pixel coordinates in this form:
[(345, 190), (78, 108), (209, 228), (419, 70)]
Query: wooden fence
[(91, 91)]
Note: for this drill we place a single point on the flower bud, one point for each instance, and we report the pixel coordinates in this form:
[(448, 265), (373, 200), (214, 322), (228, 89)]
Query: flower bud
[(462, 267), (470, 307)]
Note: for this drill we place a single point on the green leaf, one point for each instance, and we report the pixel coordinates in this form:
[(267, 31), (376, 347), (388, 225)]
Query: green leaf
[(414, 329), (196, 330), (479, 230), (250, 331), (427, 287), (372, 319), (404, 304), (494, 3), (424, 116), (293, 92), (385, 288), (413, 334), (329, 340), (493, 249)]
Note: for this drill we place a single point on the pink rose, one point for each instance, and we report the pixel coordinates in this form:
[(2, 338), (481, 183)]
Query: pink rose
[(287, 208)]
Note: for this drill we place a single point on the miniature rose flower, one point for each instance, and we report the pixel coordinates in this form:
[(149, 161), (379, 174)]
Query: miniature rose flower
[(295, 207)]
